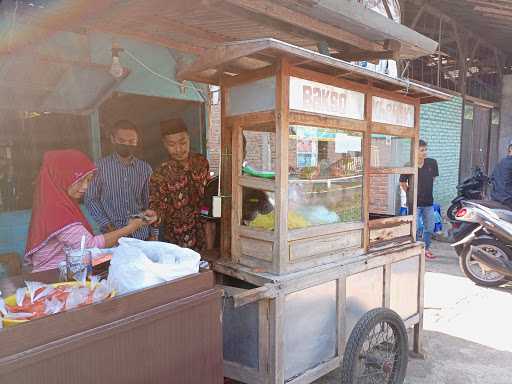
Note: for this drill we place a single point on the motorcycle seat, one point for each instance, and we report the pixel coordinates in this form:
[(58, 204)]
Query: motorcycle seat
[(504, 212)]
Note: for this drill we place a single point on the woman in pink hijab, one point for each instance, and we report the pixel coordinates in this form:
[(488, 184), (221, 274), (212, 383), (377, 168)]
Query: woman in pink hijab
[(57, 221)]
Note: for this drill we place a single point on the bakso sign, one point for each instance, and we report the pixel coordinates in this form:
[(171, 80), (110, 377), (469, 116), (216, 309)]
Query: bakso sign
[(311, 96), (392, 112)]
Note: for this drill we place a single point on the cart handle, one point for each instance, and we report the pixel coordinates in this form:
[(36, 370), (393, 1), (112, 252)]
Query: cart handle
[(268, 291)]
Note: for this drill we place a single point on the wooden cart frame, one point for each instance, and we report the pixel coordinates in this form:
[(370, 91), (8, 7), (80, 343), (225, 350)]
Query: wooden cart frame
[(275, 278)]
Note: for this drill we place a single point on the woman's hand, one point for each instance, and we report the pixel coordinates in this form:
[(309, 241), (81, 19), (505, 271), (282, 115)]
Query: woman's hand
[(134, 224)]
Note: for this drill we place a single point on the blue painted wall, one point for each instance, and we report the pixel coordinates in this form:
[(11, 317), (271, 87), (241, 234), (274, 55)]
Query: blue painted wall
[(141, 81), (97, 48), (14, 230)]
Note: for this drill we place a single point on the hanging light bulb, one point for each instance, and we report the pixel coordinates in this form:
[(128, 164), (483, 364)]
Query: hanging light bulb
[(116, 69)]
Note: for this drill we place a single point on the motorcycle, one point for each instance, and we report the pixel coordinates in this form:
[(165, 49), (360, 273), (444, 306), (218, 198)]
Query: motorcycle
[(473, 188), (485, 251)]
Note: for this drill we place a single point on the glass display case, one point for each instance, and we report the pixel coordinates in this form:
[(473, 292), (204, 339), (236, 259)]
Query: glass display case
[(317, 181), (325, 176), (311, 159)]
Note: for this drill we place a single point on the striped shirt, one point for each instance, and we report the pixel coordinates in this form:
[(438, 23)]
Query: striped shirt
[(52, 253), (117, 191)]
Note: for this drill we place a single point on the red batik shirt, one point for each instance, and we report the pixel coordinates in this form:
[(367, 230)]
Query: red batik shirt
[(176, 193)]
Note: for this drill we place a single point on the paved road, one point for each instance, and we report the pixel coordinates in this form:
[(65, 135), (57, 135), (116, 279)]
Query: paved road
[(468, 338)]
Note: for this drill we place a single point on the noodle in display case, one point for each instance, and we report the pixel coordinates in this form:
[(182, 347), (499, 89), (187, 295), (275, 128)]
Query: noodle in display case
[(325, 175)]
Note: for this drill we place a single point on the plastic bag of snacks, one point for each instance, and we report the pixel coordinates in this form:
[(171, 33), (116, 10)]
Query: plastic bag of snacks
[(39, 300)]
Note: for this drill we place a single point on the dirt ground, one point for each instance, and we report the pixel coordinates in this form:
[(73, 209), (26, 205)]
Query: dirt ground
[(467, 337)]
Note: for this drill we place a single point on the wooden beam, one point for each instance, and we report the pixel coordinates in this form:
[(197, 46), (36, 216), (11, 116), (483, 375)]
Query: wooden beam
[(150, 38), (493, 11), (462, 54), (418, 16), (480, 3), (274, 12), (475, 50), (363, 55)]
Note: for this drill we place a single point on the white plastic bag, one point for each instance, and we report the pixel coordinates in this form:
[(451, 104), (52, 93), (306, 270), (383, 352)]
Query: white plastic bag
[(138, 264)]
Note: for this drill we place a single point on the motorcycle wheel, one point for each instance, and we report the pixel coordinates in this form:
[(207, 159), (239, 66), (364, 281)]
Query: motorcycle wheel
[(377, 350), (477, 272)]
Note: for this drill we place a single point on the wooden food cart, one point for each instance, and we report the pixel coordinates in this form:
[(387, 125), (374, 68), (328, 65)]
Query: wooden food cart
[(307, 165), (167, 333)]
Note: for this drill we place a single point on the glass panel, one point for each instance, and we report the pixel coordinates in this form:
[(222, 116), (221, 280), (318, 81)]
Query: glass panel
[(386, 197), (390, 151), (259, 154), (495, 117), (258, 208), (257, 96), (468, 112), (325, 176)]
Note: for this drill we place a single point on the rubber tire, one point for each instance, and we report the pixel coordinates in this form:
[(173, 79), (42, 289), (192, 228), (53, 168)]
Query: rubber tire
[(462, 261), (358, 336)]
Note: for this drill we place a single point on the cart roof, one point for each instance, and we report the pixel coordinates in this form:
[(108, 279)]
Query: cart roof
[(237, 58)]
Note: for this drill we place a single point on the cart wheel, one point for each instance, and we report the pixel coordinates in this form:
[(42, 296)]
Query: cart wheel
[(376, 352)]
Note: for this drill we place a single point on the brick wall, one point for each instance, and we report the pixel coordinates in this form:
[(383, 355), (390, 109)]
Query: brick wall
[(440, 127)]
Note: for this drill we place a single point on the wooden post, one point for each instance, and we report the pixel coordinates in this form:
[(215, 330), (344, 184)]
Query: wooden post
[(236, 191), (461, 49), (94, 124), (276, 352), (281, 257), (225, 176), (462, 53), (341, 314), (414, 189), (417, 345), (418, 328), (367, 145)]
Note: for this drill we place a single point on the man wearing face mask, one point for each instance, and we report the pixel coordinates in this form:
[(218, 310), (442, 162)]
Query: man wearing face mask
[(120, 187)]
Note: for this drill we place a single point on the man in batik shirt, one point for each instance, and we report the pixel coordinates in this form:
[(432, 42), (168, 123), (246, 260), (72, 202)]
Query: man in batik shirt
[(177, 188)]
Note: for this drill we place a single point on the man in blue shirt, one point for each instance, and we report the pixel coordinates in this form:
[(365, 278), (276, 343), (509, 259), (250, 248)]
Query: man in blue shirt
[(120, 187), (502, 180)]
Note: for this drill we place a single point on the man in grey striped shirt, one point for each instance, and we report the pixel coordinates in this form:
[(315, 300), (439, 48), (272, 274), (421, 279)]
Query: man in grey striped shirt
[(120, 187)]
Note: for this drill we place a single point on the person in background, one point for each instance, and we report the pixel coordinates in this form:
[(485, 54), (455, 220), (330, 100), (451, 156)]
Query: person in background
[(427, 172), (120, 187), (57, 221), (502, 180), (177, 189)]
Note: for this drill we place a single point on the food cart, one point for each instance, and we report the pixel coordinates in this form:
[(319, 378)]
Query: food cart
[(307, 249), (171, 330)]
